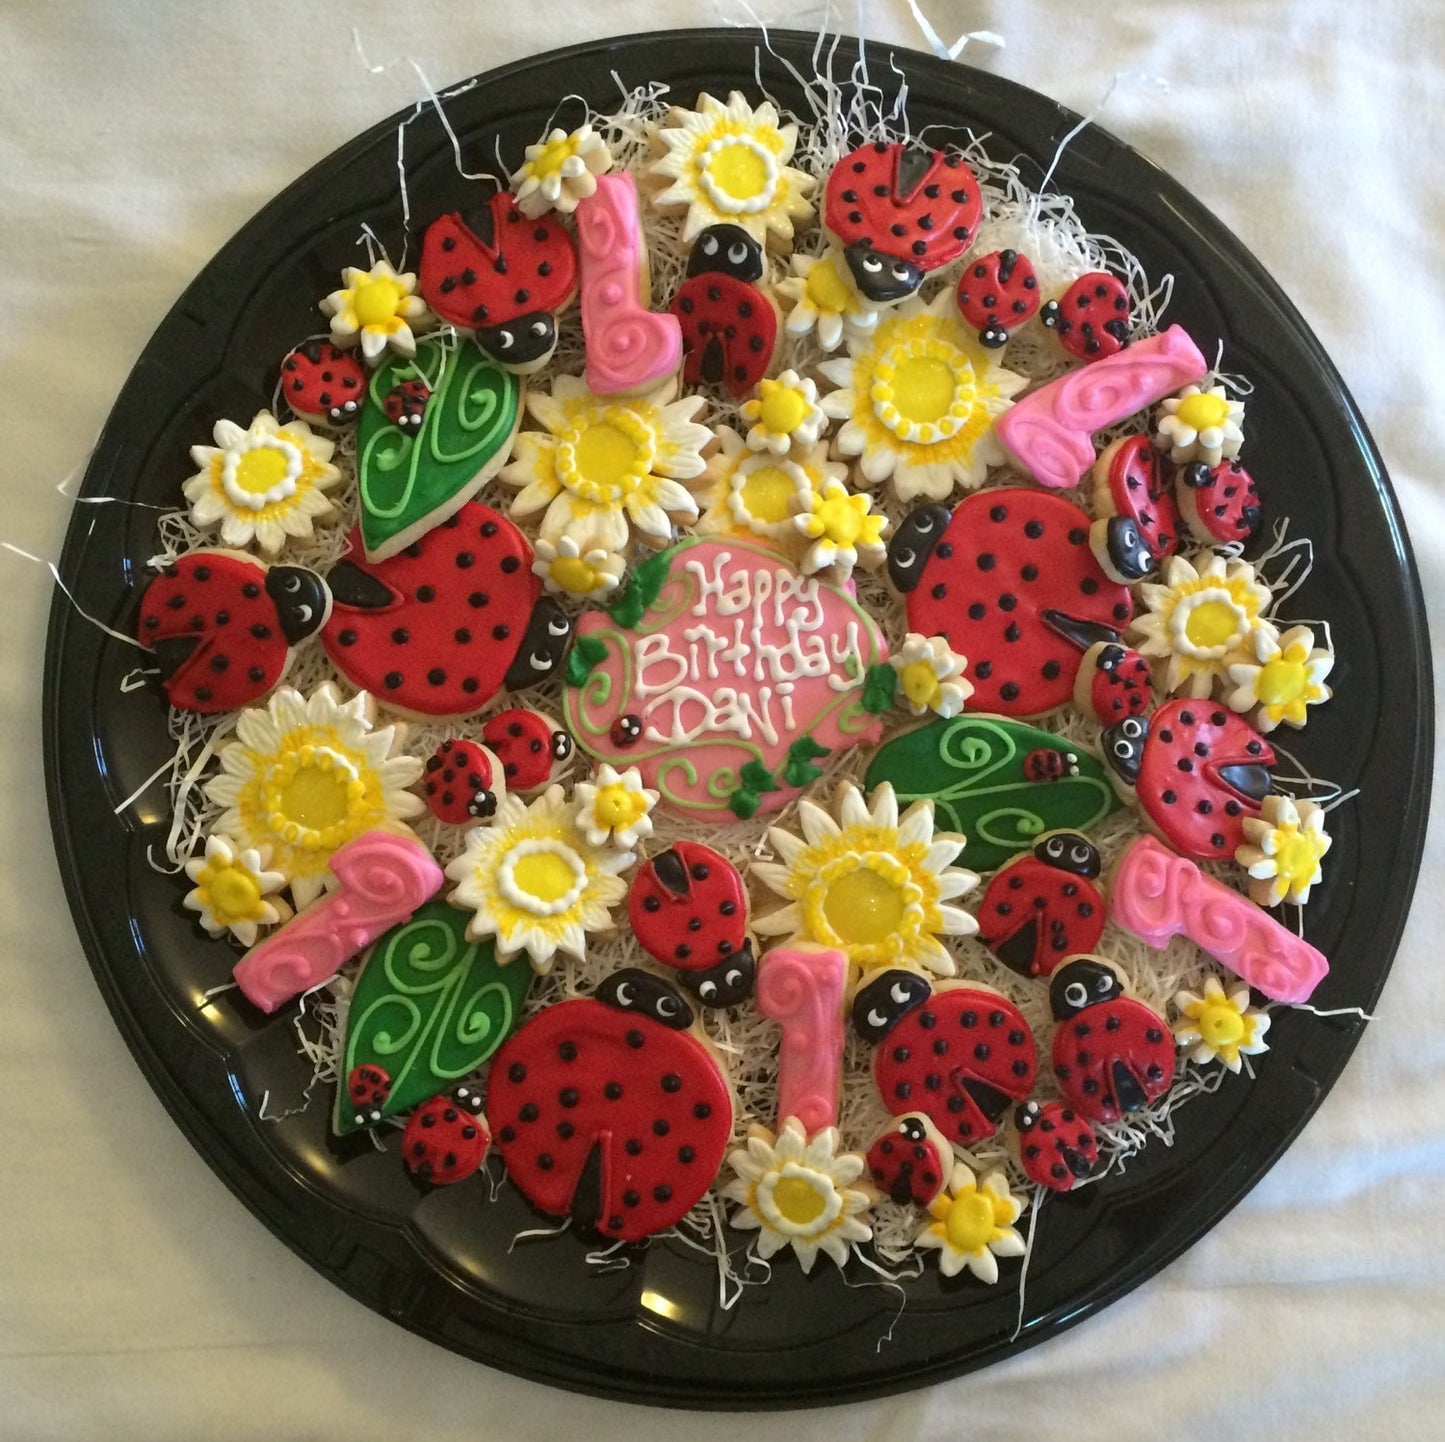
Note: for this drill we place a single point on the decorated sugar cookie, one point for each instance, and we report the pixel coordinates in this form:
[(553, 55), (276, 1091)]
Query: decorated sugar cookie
[(305, 775), (758, 495), (440, 628), (843, 531), (567, 569), (728, 163), (1053, 1144), (224, 627), (972, 1224), (1091, 318), (529, 745), (376, 309), (801, 988), (899, 214), (1114, 682), (428, 1008), (233, 891), (322, 384), (730, 324), (797, 1191), (503, 277), (1215, 1025), (688, 909), (1200, 425), (1129, 482), (446, 1139), (616, 809), (463, 783), (1200, 618), (931, 676), (726, 676), (910, 1160), (263, 483), (999, 782), (608, 1110), (959, 1052), (598, 469), (560, 171), (1195, 770), (1283, 848), (918, 399), (535, 881), (784, 415), (1220, 504), (1009, 581), (1041, 908), (824, 301), (1112, 1054), (877, 887), (996, 293), (1281, 679)]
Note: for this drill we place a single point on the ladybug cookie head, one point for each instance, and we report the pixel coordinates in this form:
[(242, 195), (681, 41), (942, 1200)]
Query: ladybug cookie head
[(880, 1004), (1069, 851), (640, 993), (726, 250), (1082, 982), (1123, 748), (303, 602), (912, 544)]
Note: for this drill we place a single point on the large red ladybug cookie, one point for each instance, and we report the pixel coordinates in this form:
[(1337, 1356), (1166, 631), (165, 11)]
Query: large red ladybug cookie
[(688, 909), (609, 1111), (900, 213), (222, 626), (1010, 582), (1042, 908), (729, 325), (960, 1054), (1112, 1054), (1195, 770), (442, 626)]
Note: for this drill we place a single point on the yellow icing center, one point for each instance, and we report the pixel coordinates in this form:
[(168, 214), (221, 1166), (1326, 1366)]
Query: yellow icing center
[(1211, 623), (376, 301), (864, 907), (1281, 681), (1203, 411), (920, 683), (841, 522), (827, 289), (233, 894), (606, 458), (970, 1222), (1297, 854), (617, 807), (553, 154), (738, 171), (544, 875), (260, 469), (923, 388), (574, 575), (798, 1200), (1221, 1025), (783, 409), (309, 795), (768, 494)]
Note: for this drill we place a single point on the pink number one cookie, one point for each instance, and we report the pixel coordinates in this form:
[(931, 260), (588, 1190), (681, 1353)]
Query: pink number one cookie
[(1050, 433), (801, 988), (629, 347), (384, 878), (1158, 895)]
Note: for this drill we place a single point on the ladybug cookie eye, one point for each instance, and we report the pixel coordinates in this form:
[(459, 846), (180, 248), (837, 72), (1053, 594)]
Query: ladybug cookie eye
[(561, 745), (737, 254), (1077, 995), (912, 1129)]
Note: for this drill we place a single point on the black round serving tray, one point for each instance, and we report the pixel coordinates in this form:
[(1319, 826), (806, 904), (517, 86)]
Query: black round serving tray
[(655, 1332)]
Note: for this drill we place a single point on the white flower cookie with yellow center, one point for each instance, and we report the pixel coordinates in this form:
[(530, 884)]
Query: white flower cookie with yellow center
[(377, 308), (823, 300), (783, 415), (616, 809), (843, 529), (560, 170), (1283, 677), (972, 1224), (567, 570), (233, 890), (1200, 425), (931, 676), (1282, 850), (1215, 1025)]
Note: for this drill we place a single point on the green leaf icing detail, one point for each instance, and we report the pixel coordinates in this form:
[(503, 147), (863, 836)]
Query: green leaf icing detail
[(799, 769), (972, 768), (410, 482), (753, 779), (585, 654), (641, 591), (879, 686), (429, 1008)]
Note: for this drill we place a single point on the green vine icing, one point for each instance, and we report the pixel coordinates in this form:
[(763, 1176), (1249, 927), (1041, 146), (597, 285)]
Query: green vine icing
[(973, 769), (406, 478), (429, 1007)]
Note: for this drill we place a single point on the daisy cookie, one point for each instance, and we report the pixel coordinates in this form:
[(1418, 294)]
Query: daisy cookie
[(1200, 425), (760, 495), (1282, 851), (1216, 1025), (823, 300), (560, 170), (971, 1224), (233, 891), (377, 309), (1281, 679)]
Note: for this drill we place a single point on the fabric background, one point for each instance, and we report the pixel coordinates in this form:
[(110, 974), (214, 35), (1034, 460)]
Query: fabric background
[(138, 1298)]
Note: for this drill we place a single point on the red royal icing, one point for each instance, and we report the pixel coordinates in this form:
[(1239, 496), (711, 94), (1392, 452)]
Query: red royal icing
[(459, 783), (528, 745), (997, 293), (1057, 1148), (1034, 915), (446, 1139), (688, 907), (323, 384), (729, 331), (1091, 318), (1115, 681), (1129, 481), (1087, 1048)]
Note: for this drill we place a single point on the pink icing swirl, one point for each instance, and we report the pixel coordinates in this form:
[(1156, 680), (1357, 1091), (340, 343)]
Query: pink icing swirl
[(802, 990), (384, 878), (1158, 895), (629, 346)]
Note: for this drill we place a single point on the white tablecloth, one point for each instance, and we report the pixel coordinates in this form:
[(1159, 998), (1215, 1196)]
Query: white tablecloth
[(138, 1298)]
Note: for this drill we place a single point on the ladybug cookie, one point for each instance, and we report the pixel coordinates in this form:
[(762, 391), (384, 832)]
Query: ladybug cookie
[(1195, 770), (463, 783), (899, 214), (1129, 483), (1219, 503), (322, 384), (959, 1054), (1009, 581), (911, 1160), (729, 324), (608, 1110), (502, 276), (1091, 318), (1112, 1054), (1114, 681), (223, 626), (997, 292), (368, 1088), (1054, 1145), (688, 909), (1041, 908), (528, 745), (439, 628), (446, 1139)]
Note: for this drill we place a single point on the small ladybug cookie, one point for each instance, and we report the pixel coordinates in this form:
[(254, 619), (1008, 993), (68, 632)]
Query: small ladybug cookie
[(910, 1161), (322, 384), (223, 626), (1042, 908), (688, 909), (730, 325), (1114, 681), (405, 404), (1129, 482), (529, 746), (1054, 1145), (463, 783), (446, 1139), (368, 1088), (1091, 318), (1219, 503), (997, 293), (1112, 1054)]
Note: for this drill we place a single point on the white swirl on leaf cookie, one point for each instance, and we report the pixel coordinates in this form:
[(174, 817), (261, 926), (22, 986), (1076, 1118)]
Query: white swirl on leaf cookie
[(560, 170), (1284, 677), (1200, 425), (972, 1224), (1282, 850), (377, 308)]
